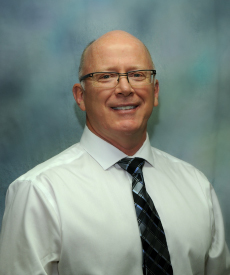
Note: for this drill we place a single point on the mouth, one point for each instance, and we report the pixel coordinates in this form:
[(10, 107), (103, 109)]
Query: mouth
[(125, 107)]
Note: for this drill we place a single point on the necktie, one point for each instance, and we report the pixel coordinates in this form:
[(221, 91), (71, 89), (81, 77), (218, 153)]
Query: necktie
[(156, 258)]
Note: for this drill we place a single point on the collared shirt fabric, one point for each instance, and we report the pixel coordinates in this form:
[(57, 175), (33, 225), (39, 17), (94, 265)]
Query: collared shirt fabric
[(74, 215)]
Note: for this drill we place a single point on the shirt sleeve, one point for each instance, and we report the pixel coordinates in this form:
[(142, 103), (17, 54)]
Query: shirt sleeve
[(218, 260), (30, 237)]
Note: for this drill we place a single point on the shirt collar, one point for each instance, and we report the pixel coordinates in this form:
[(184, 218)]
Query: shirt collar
[(106, 154)]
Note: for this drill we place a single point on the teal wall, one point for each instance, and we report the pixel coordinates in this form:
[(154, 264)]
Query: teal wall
[(40, 47)]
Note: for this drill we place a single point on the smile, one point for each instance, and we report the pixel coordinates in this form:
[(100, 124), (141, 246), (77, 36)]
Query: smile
[(124, 108)]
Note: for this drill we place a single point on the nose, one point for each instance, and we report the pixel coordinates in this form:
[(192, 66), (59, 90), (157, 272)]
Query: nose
[(123, 87)]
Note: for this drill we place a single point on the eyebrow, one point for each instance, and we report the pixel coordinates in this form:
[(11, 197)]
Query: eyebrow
[(133, 68)]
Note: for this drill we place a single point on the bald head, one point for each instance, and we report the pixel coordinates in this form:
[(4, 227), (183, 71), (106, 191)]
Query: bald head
[(106, 41)]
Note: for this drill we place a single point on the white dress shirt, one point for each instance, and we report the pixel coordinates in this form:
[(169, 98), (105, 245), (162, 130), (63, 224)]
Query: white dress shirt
[(74, 215)]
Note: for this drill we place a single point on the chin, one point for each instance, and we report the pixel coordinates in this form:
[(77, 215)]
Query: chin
[(129, 128)]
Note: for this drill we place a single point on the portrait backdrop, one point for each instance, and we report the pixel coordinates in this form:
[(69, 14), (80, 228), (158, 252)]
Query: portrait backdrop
[(40, 47)]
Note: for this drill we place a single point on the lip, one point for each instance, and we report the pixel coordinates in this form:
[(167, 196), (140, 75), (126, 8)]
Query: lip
[(125, 106)]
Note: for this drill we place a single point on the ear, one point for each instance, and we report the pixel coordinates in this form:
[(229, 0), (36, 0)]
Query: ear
[(78, 94), (156, 93)]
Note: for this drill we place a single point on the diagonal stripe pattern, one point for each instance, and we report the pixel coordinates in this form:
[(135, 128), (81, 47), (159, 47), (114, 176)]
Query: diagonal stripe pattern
[(156, 258)]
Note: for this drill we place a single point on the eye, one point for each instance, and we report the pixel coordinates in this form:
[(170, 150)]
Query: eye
[(137, 75), (106, 76)]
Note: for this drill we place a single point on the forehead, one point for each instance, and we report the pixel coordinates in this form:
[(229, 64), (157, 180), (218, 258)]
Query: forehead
[(117, 55)]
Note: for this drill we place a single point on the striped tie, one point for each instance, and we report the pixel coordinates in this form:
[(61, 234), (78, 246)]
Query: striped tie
[(156, 258)]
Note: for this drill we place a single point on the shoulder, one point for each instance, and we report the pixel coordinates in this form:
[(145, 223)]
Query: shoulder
[(64, 158), (39, 179), (161, 157), (176, 168)]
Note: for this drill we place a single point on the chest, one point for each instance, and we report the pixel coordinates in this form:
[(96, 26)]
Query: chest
[(98, 219)]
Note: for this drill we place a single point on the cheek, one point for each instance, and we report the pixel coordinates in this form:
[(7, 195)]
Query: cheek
[(90, 100), (96, 101), (94, 108), (149, 106), (148, 98)]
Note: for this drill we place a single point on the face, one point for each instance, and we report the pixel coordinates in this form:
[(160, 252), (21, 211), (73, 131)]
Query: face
[(105, 108)]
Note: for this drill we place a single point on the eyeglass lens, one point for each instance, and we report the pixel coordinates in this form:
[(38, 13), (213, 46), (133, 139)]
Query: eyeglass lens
[(137, 78)]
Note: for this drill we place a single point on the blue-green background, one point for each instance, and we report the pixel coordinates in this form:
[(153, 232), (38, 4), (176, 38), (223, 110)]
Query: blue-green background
[(40, 47)]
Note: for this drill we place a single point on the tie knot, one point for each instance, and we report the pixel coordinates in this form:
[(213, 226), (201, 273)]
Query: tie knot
[(132, 165)]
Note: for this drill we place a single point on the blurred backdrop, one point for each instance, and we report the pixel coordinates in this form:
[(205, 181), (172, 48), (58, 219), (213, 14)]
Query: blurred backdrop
[(40, 47)]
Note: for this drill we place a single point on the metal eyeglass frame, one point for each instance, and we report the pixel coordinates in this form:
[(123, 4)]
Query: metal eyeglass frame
[(118, 74)]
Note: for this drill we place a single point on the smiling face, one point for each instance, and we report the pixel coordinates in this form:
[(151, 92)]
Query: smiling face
[(123, 110)]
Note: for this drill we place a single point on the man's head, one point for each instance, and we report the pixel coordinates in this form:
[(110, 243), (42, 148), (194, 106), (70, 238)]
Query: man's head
[(120, 112), (80, 74), (83, 59)]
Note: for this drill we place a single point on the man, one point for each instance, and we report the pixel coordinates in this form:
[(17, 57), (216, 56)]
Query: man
[(75, 214)]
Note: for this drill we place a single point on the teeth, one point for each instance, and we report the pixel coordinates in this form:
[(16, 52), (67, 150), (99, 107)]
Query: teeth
[(124, 108)]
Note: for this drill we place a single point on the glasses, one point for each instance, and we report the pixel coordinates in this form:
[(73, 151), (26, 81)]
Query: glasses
[(111, 79)]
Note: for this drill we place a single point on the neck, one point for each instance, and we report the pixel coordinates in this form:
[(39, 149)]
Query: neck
[(128, 143)]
